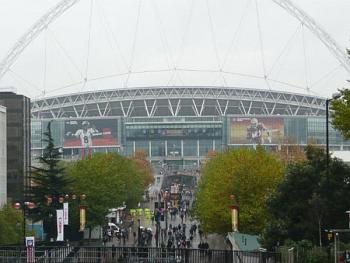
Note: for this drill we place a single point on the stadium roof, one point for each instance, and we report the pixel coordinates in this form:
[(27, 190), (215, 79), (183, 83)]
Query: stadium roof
[(178, 101)]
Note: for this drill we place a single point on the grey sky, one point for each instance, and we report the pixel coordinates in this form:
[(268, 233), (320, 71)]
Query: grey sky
[(170, 36)]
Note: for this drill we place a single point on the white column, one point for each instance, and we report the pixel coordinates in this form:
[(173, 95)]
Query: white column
[(166, 148), (149, 149), (197, 148), (182, 148)]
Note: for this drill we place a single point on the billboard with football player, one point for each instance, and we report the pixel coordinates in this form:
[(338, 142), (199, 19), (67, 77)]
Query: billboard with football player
[(90, 133), (256, 130)]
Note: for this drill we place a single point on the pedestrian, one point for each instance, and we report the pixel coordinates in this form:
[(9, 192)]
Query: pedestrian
[(184, 228), (124, 237), (169, 231), (104, 240), (170, 244), (113, 251), (163, 233), (182, 217), (126, 234), (194, 229), (200, 232), (109, 235)]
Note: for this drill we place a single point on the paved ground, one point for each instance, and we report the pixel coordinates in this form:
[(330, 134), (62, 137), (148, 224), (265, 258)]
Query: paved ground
[(215, 241)]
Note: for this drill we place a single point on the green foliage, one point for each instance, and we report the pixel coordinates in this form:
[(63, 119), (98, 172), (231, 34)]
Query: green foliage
[(11, 225), (141, 162), (341, 113), (108, 180), (308, 200), (304, 251), (251, 175), (47, 180)]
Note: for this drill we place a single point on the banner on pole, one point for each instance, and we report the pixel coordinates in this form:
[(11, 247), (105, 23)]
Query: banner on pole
[(65, 214), (30, 245), (60, 225), (82, 213)]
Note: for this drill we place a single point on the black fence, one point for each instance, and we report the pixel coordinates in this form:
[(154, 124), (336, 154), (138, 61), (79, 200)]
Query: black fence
[(83, 254)]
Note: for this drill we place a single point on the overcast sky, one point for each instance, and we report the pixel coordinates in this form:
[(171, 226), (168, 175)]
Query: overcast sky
[(168, 42)]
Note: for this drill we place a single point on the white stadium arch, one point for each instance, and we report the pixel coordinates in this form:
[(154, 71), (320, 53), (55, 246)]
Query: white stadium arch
[(64, 5)]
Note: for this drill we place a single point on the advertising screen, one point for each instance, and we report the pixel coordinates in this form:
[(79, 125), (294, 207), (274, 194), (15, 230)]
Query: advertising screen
[(257, 130), (90, 133)]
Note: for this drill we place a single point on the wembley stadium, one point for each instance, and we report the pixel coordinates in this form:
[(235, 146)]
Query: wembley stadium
[(180, 125), (137, 75)]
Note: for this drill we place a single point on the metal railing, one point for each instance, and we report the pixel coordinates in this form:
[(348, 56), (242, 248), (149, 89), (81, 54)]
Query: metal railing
[(83, 254)]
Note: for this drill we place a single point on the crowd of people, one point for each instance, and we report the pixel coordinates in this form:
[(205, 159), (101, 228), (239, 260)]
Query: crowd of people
[(177, 236), (180, 233), (121, 235)]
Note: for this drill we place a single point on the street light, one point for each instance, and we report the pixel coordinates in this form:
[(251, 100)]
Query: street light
[(24, 205), (166, 199), (334, 97), (139, 232)]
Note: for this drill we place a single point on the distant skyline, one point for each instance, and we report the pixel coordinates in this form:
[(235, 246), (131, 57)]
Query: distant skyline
[(170, 37)]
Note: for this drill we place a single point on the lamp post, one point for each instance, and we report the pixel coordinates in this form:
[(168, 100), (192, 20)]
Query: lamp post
[(24, 205), (348, 212), (166, 198), (139, 232), (334, 97)]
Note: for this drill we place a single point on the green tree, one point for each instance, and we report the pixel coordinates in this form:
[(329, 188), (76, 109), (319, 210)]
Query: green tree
[(11, 225), (309, 200), (341, 113), (251, 175), (107, 180), (47, 180)]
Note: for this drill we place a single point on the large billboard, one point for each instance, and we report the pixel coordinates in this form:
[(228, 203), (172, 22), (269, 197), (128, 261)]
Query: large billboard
[(256, 130), (90, 133)]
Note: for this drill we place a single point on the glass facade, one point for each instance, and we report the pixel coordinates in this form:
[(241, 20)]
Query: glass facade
[(184, 142), (158, 148), (190, 148)]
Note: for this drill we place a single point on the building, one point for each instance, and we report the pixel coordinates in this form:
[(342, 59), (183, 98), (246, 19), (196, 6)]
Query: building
[(178, 126), (243, 242), (18, 143), (3, 154)]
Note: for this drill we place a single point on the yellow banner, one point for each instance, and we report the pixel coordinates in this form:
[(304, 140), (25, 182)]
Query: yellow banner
[(82, 210)]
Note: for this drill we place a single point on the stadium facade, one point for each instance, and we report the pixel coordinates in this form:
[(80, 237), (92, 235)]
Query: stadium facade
[(180, 125)]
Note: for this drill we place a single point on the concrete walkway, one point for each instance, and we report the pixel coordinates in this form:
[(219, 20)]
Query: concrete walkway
[(215, 241)]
